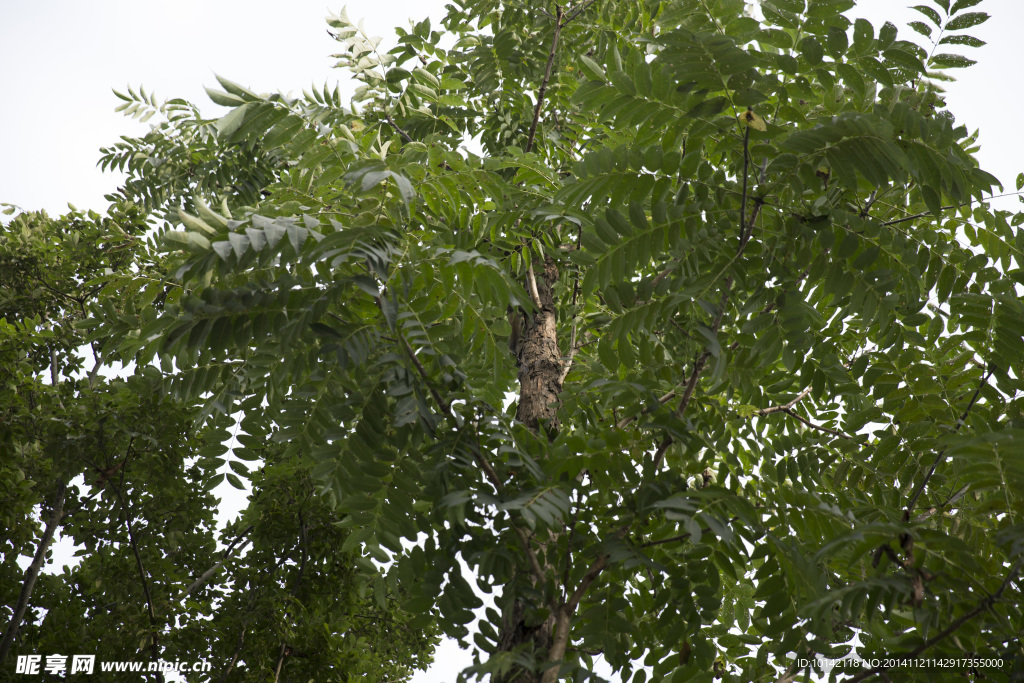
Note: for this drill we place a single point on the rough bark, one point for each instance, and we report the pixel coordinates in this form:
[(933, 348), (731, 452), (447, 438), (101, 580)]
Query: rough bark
[(540, 382), (540, 367)]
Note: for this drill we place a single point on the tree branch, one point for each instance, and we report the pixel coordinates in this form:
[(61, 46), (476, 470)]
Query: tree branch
[(229, 552), (778, 409), (578, 11), (531, 283), (544, 82), (151, 609), (32, 573), (280, 661), (981, 607), (691, 384), (680, 537), (575, 297), (921, 215), (595, 570), (625, 422), (405, 136), (942, 506), (743, 197), (938, 458), (234, 657), (810, 424)]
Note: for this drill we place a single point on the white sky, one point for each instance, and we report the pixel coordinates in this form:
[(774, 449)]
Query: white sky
[(59, 60)]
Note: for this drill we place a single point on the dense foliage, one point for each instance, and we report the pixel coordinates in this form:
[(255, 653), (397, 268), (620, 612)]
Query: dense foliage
[(765, 333), (125, 473)]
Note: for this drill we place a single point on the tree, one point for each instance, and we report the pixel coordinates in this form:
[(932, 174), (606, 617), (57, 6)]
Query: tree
[(765, 331), (126, 473)]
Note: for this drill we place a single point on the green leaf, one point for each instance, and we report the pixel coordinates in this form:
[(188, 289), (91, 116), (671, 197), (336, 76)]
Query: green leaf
[(811, 50), (592, 69), (961, 40), (836, 42), (232, 120), (921, 28), (963, 4), (950, 61), (962, 21), (224, 99), (932, 15), (283, 131)]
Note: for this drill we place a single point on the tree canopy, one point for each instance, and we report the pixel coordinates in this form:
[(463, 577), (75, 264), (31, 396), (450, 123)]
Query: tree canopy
[(685, 326)]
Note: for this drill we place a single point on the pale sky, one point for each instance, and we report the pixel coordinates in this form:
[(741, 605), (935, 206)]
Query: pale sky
[(61, 58)]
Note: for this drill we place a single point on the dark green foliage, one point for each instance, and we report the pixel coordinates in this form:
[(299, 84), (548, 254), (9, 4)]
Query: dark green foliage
[(125, 472), (789, 322)]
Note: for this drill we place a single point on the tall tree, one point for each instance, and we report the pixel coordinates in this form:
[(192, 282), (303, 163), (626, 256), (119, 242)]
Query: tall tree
[(763, 393), (124, 472)]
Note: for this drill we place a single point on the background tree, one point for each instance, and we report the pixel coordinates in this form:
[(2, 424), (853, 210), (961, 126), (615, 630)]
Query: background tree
[(125, 473), (766, 332)]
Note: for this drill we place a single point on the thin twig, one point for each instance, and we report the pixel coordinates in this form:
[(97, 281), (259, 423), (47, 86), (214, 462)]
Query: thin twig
[(938, 458), (691, 384), (423, 373), (778, 409), (544, 82), (154, 639), (538, 572), (625, 422), (229, 552), (391, 122), (983, 606), (743, 198), (804, 420), (942, 506), (419, 367), (280, 662), (922, 215), (579, 10), (680, 537), (788, 410), (32, 573), (234, 657)]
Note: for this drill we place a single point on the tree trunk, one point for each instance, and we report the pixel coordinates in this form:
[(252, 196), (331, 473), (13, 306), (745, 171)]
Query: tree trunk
[(540, 382), (540, 366)]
